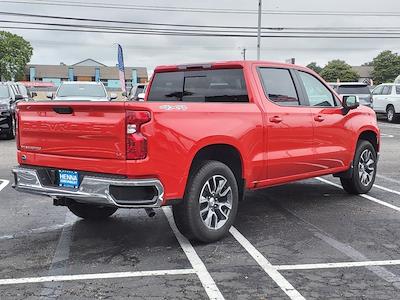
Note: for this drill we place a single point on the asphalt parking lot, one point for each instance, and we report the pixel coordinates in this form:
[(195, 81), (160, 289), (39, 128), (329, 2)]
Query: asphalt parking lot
[(305, 240)]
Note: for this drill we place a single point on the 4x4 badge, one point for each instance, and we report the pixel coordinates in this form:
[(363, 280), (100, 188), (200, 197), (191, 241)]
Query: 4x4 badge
[(173, 107)]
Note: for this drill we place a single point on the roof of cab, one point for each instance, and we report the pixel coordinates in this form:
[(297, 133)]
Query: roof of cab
[(224, 64)]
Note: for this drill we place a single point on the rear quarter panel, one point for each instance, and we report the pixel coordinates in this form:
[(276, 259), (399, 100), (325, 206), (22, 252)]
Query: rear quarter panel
[(178, 130)]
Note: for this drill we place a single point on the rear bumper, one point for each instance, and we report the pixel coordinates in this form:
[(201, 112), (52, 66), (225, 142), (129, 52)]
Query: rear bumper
[(93, 190)]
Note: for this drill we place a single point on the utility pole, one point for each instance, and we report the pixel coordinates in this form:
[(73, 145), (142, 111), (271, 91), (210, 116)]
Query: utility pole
[(259, 30), (244, 53)]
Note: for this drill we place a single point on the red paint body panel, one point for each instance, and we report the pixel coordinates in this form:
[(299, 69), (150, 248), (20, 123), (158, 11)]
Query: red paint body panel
[(92, 138)]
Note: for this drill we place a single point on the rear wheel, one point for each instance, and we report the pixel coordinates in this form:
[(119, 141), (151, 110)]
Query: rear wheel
[(90, 212), (365, 163), (210, 203), (391, 114)]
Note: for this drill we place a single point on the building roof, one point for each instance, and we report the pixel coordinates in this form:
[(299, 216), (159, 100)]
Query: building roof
[(61, 71), (89, 63), (363, 71)]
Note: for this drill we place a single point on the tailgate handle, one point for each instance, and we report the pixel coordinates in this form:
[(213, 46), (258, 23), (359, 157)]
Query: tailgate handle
[(65, 110)]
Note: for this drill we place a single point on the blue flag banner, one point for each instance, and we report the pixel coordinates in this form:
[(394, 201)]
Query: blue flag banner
[(121, 68)]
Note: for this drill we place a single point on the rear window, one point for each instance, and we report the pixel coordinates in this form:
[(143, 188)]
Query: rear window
[(199, 86), (354, 89), (81, 90)]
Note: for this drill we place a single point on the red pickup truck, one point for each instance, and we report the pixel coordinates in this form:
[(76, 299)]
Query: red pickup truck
[(204, 134)]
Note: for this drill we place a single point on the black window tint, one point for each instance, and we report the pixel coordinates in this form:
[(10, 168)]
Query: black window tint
[(166, 87), (200, 86), (398, 89), (279, 87), (317, 93), (387, 90)]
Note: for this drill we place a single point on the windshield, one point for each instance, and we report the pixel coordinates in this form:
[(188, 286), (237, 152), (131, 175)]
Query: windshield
[(4, 91), (354, 89), (81, 90)]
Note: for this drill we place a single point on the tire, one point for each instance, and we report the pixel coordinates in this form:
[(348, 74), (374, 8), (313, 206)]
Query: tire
[(365, 162), (90, 212), (11, 132), (391, 115), (213, 189)]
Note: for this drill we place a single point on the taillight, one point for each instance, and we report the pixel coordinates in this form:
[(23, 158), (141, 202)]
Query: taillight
[(17, 139), (136, 143)]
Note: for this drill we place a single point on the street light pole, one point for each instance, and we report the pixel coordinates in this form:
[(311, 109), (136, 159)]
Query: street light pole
[(259, 30)]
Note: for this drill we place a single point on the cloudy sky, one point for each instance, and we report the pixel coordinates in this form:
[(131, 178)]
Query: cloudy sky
[(149, 51)]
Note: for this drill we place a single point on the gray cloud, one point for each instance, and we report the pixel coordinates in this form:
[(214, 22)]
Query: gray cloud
[(67, 47)]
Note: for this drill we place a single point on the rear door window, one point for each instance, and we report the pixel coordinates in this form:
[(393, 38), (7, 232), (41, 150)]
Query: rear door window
[(398, 89), (279, 86), (226, 85), (318, 94), (387, 90)]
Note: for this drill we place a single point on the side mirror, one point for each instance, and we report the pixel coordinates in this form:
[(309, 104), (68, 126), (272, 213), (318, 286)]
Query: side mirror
[(141, 96), (50, 95), (350, 102), (124, 94), (113, 96), (33, 94)]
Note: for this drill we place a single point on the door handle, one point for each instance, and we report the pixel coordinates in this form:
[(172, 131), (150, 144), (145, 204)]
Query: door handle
[(319, 118), (275, 119)]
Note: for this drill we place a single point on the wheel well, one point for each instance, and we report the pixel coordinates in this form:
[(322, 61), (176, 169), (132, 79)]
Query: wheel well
[(389, 105), (226, 154), (371, 137)]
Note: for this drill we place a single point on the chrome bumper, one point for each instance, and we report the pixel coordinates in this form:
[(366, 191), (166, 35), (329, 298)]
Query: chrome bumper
[(92, 190)]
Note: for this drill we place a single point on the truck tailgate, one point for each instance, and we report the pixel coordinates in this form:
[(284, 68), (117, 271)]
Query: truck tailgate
[(77, 129)]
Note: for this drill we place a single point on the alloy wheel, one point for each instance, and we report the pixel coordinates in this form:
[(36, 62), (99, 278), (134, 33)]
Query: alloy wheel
[(215, 202), (366, 167)]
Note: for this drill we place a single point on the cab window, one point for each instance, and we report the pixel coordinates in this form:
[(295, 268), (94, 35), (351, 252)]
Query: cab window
[(387, 90), (317, 93)]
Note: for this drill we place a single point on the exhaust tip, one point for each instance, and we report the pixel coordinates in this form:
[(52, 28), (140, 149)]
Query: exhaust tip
[(150, 212)]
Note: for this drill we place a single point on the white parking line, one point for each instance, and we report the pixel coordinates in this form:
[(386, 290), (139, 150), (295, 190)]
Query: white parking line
[(339, 265), (3, 184), (388, 178), (95, 276), (266, 266), (35, 230), (387, 135), (206, 280), (370, 198), (386, 189)]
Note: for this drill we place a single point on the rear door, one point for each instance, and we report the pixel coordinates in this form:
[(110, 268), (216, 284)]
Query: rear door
[(378, 99), (289, 127), (330, 134), (75, 129)]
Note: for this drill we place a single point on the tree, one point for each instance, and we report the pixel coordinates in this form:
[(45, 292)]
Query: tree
[(339, 69), (313, 66), (15, 53), (386, 67)]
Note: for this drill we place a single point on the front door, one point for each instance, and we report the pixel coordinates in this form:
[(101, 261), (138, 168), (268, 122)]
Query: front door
[(288, 126), (331, 138)]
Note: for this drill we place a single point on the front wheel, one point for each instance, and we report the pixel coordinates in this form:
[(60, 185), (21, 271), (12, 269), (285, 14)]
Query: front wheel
[(364, 171), (90, 212), (210, 203)]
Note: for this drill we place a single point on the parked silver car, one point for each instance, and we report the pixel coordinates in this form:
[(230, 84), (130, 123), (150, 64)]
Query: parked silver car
[(359, 89), (81, 91)]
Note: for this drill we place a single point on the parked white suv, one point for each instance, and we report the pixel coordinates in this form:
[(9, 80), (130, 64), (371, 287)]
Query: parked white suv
[(386, 100)]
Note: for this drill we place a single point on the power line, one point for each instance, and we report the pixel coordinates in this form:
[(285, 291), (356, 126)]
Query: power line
[(200, 10), (139, 32), (64, 18), (206, 31)]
